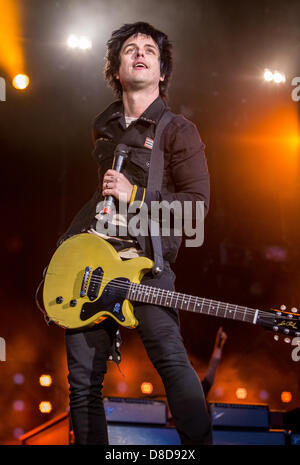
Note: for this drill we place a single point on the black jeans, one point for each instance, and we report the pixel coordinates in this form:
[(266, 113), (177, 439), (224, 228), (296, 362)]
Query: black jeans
[(87, 354)]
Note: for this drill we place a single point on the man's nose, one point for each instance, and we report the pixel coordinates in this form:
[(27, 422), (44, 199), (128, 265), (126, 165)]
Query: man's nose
[(139, 52)]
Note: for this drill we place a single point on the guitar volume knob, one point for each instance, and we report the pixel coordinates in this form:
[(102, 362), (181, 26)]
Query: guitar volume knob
[(73, 303), (59, 300)]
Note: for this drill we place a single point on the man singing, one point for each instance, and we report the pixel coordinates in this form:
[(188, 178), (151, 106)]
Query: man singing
[(138, 69)]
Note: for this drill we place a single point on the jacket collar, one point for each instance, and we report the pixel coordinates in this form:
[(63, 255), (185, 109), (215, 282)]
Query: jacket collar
[(151, 115)]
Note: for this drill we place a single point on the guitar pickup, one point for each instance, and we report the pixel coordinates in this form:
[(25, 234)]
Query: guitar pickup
[(95, 283)]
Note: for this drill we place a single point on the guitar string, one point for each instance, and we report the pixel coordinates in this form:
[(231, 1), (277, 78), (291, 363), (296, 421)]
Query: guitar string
[(161, 293), (192, 299)]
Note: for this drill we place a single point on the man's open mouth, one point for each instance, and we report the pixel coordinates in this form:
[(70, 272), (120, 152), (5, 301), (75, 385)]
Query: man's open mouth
[(140, 66)]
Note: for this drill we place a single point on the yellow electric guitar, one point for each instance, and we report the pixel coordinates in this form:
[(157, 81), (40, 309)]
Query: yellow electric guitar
[(86, 282)]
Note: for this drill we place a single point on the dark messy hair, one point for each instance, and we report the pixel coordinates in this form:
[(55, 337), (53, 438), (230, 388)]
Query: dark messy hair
[(114, 46)]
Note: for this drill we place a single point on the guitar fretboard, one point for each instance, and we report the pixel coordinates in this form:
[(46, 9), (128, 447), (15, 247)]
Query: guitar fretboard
[(153, 295)]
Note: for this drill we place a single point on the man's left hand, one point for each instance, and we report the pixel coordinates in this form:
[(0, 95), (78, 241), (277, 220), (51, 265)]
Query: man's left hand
[(115, 184)]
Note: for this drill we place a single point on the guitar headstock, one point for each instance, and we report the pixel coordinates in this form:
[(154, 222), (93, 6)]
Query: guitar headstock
[(281, 321)]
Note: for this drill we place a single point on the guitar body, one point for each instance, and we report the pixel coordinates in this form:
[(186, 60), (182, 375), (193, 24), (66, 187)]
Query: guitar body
[(87, 281)]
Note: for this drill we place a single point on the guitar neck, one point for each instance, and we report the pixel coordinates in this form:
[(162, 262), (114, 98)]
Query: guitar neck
[(165, 298)]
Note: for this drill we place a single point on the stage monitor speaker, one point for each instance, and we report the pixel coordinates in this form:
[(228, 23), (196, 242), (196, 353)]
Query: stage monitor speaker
[(249, 438), (56, 432), (125, 434), (295, 439), (240, 415), (121, 434), (122, 409)]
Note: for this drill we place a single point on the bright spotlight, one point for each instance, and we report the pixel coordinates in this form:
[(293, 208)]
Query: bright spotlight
[(72, 41), (268, 75), (20, 81), (84, 43), (278, 77), (81, 42), (286, 397), (146, 387), (274, 76), (45, 406), (241, 393), (45, 380)]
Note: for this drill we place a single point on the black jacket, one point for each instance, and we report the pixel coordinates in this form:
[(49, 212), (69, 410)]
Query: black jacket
[(185, 176)]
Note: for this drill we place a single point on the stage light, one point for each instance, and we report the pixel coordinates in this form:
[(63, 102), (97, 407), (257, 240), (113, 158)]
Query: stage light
[(45, 380), (20, 81), (219, 391), (18, 405), (264, 395), (274, 76), (18, 432), (278, 77), (45, 406), (268, 75), (18, 378), (82, 42), (286, 397), (241, 393), (72, 41), (146, 387)]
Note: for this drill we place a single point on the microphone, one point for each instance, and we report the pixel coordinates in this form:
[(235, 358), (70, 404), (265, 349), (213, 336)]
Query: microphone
[(120, 156)]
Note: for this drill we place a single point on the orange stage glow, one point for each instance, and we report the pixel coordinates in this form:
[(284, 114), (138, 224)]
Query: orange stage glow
[(146, 388), (286, 397), (269, 149), (11, 53)]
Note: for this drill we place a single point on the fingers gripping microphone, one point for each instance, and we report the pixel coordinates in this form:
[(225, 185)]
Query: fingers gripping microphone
[(121, 153)]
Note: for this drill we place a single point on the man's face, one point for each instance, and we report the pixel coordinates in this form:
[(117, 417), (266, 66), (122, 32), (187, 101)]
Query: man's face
[(139, 64)]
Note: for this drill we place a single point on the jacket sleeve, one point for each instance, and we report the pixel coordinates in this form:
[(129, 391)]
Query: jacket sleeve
[(188, 168)]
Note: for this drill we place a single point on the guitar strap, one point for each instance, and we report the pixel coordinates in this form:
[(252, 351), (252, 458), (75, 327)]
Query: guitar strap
[(155, 178)]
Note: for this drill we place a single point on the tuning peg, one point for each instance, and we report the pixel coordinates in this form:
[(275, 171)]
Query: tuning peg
[(283, 307), (276, 337), (287, 340), (294, 310)]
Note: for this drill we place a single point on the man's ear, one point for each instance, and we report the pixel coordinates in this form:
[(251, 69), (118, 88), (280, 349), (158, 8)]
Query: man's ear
[(162, 78)]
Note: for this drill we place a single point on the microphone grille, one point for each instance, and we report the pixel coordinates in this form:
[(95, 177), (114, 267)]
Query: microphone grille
[(122, 148)]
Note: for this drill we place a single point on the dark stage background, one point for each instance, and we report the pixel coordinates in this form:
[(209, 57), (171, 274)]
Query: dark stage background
[(250, 128)]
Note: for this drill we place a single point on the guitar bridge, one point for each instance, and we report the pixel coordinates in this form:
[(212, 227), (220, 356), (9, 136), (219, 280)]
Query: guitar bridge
[(85, 280)]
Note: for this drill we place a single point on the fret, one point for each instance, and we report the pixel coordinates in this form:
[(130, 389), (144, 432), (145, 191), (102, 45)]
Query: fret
[(202, 302), (176, 303), (167, 302), (146, 294), (234, 312), (183, 301), (212, 306), (196, 300), (189, 301), (244, 314), (161, 296), (225, 311)]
